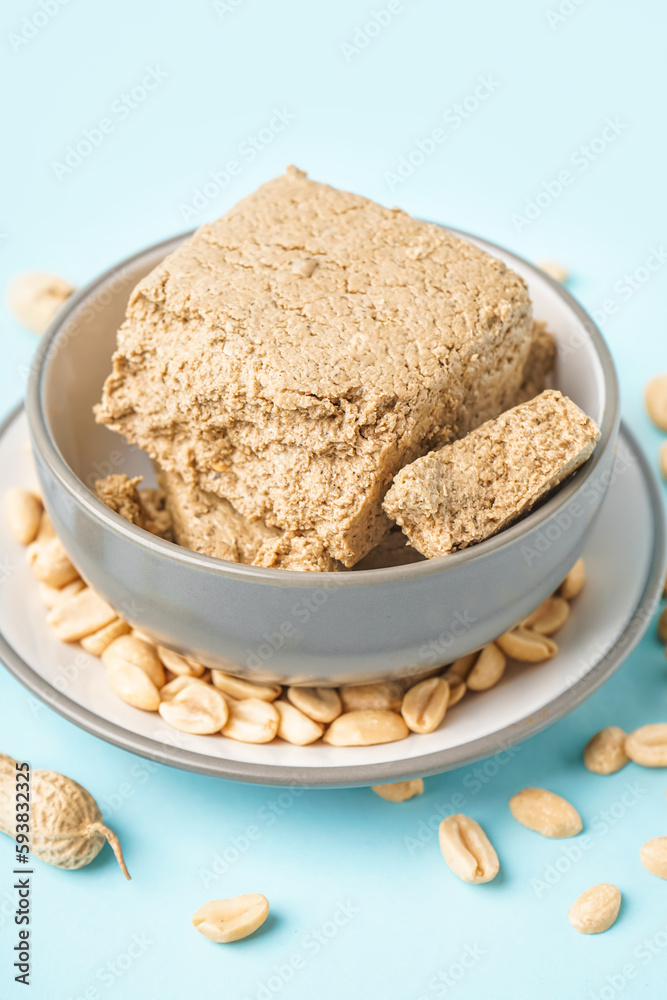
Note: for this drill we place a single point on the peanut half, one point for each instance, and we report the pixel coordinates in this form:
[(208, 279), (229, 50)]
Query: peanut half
[(133, 686), (182, 666), (527, 645), (662, 625), (549, 617), (365, 727), (226, 920), (251, 720), (178, 684), (605, 752), (97, 642), (295, 726), (51, 595), (488, 669), (239, 689), (319, 704), (35, 297), (425, 704), (596, 909), (655, 397), (384, 695), (198, 709), (545, 813), (80, 615), (50, 563), (400, 791), (127, 649), (648, 745), (573, 584), (23, 513), (653, 856), (467, 849)]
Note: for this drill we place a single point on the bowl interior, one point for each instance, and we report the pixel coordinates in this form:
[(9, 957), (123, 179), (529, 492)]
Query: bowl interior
[(79, 360)]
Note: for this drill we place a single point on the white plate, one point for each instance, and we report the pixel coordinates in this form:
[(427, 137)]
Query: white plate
[(625, 563)]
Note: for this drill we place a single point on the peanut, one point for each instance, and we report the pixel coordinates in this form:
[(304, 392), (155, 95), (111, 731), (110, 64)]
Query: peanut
[(225, 920), (197, 709), (365, 727), (545, 813), (295, 726), (457, 688), (50, 563), (605, 752), (648, 745), (97, 642), (23, 512), (400, 791), (239, 689), (127, 649), (573, 584), (596, 909), (461, 667), (488, 669), (81, 614), (35, 297), (178, 684), (425, 704), (51, 595), (526, 645), (384, 695), (467, 849), (554, 270), (182, 666), (133, 686), (549, 617), (66, 828), (662, 626), (653, 856), (251, 720), (655, 397), (319, 704)]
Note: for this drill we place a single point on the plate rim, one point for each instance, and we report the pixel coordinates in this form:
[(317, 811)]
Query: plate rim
[(350, 775)]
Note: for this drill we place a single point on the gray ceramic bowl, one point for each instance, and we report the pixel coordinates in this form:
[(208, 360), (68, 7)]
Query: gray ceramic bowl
[(302, 627)]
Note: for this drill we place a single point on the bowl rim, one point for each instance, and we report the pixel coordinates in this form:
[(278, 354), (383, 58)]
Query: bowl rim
[(47, 448)]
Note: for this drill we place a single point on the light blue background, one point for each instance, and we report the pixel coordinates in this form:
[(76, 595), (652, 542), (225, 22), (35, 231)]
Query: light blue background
[(355, 115)]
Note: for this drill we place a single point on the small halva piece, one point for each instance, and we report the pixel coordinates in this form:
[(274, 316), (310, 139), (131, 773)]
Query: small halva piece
[(475, 487)]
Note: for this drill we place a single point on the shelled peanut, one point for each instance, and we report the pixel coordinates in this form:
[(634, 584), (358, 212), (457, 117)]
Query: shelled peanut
[(195, 700)]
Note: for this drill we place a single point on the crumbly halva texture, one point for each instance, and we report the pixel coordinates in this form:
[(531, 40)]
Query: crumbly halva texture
[(206, 523), (539, 365), (292, 356), (145, 508), (480, 484)]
